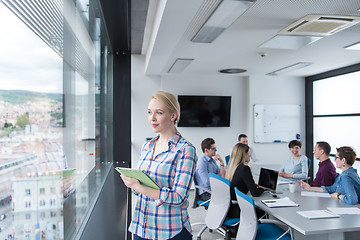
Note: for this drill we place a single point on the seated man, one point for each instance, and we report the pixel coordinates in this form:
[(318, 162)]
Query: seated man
[(207, 164), (244, 140), (326, 174)]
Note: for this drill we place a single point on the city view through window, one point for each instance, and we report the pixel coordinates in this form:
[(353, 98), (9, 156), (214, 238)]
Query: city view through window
[(49, 122)]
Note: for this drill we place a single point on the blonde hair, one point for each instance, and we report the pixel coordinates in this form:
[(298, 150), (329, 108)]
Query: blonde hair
[(170, 101), (237, 158)]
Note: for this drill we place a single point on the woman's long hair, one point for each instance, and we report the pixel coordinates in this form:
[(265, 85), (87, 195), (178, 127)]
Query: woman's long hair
[(238, 157)]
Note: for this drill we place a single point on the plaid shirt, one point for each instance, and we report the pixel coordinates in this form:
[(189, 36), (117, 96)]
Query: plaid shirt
[(173, 170)]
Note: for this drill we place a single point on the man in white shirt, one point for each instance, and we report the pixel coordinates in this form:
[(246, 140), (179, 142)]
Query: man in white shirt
[(244, 140)]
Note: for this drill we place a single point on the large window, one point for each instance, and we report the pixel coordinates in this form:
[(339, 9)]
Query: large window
[(336, 109), (55, 114)]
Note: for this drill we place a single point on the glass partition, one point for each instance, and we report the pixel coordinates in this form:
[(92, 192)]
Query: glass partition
[(55, 114)]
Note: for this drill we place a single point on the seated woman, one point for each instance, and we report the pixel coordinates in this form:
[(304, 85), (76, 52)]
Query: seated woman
[(297, 165), (347, 187), (240, 176)]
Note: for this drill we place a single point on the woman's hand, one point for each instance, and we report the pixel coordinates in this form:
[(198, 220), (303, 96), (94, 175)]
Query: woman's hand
[(135, 185), (258, 186), (130, 182), (336, 195), (285, 175), (305, 185)]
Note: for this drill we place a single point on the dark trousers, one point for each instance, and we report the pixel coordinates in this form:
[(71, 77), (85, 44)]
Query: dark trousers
[(205, 196), (183, 235)]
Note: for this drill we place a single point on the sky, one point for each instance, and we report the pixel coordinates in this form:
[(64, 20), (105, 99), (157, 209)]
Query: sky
[(26, 62)]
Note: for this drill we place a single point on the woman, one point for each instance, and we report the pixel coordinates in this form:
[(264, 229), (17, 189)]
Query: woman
[(170, 161), (297, 165), (347, 187), (240, 176)]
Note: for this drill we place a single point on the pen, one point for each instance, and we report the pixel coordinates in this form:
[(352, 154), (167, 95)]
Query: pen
[(270, 201), (305, 179)]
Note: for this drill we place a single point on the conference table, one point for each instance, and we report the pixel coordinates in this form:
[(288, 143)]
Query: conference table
[(347, 226)]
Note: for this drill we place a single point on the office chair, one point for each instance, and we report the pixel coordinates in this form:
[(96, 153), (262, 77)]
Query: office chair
[(197, 201), (249, 227), (219, 206), (227, 159)]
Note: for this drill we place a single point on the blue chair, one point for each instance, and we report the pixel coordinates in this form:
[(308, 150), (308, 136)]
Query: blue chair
[(219, 206), (249, 227), (197, 201), (227, 159), (309, 162)]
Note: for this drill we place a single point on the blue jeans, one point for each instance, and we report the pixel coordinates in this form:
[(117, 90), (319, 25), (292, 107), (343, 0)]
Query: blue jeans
[(183, 235)]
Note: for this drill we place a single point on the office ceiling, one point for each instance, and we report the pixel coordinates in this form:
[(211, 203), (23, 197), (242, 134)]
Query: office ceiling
[(169, 26)]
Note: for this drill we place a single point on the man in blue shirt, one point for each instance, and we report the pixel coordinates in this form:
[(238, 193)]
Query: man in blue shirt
[(207, 164)]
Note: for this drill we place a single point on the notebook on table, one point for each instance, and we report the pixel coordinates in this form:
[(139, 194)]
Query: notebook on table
[(268, 179)]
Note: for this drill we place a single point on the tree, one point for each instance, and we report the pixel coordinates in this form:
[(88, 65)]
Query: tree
[(8, 125), (23, 120)]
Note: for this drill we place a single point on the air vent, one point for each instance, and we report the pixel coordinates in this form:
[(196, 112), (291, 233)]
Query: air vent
[(320, 25)]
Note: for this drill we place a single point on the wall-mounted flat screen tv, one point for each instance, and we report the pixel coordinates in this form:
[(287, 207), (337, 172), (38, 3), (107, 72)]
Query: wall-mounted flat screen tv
[(204, 111)]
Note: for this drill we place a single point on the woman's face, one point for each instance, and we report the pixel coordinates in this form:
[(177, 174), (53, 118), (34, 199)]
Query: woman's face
[(159, 116), (295, 150), (338, 161)]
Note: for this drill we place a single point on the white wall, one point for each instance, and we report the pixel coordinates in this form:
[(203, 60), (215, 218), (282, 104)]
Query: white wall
[(245, 91), (275, 90)]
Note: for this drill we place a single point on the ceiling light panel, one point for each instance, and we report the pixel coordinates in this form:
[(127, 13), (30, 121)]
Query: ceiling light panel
[(290, 68), (224, 15), (180, 64), (289, 41), (355, 46)]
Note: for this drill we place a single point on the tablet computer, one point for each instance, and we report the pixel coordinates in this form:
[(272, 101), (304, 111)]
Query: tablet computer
[(143, 178)]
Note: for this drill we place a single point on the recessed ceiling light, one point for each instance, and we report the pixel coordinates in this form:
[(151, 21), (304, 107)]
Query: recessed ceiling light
[(354, 46), (232, 70), (224, 15), (290, 68), (289, 42), (180, 64)]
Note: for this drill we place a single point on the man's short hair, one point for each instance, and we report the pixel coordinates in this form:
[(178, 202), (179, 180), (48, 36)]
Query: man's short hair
[(206, 144), (294, 143), (242, 136), (324, 146)]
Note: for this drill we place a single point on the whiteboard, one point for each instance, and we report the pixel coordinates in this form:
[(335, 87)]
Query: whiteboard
[(276, 123)]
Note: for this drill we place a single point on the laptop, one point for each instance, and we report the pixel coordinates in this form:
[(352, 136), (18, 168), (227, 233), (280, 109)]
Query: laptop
[(268, 179)]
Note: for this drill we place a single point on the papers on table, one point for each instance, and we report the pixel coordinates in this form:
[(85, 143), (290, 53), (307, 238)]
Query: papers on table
[(283, 181), (349, 210), (315, 194), (331, 213), (281, 202), (318, 214)]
